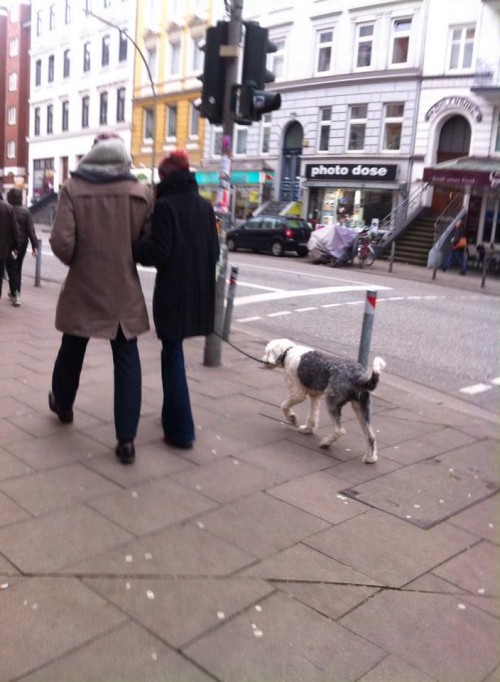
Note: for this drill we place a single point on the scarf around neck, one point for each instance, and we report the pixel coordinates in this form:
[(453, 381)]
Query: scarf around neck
[(107, 161)]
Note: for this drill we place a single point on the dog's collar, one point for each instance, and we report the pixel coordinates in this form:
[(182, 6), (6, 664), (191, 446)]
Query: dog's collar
[(282, 357)]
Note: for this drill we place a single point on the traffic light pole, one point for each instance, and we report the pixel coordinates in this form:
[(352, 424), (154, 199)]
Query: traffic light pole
[(213, 342)]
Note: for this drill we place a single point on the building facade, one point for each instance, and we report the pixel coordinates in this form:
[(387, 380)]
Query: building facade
[(82, 74), (14, 89)]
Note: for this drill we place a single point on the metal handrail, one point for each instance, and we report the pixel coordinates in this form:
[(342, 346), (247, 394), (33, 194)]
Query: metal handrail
[(398, 220), (449, 215)]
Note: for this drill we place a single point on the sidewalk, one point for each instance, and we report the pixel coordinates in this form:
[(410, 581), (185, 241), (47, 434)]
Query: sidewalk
[(254, 557)]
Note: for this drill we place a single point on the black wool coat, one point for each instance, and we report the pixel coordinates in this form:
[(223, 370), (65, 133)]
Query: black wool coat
[(9, 230), (184, 247)]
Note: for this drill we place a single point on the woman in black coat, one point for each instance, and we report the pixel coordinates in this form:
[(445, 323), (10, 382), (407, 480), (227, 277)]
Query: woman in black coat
[(184, 247), (14, 265)]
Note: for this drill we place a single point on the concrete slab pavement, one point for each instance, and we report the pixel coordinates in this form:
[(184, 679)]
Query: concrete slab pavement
[(242, 559)]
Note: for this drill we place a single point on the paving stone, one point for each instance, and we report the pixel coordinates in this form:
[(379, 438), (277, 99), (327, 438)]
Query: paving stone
[(424, 493), (286, 458), (393, 669), (179, 610), (285, 641), (182, 550), (151, 506), (474, 569), (393, 431), (330, 600), (227, 479), (261, 524), (483, 519), (479, 459), (11, 466), (10, 512), (318, 494), (427, 445), (44, 618), (355, 472), (152, 461), (387, 549), (66, 447), (49, 542), (301, 563), (43, 492), (432, 632), (431, 583), (488, 604), (11, 408), (127, 654)]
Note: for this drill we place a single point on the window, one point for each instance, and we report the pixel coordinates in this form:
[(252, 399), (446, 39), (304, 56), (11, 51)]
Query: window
[(65, 116), (400, 40), (194, 121), (50, 119), (36, 127), (86, 57), (38, 72), (175, 58), (103, 108), (171, 121), (66, 64), (364, 45), (11, 116), (462, 47), (13, 47), (497, 141), (39, 22), (52, 17), (277, 59), (13, 82), (265, 134), (151, 60), (122, 48), (325, 117), (67, 11), (241, 140), (197, 60), (357, 127), (120, 105), (325, 43), (148, 124), (50, 70), (393, 125), (105, 51), (11, 149), (216, 141), (85, 111)]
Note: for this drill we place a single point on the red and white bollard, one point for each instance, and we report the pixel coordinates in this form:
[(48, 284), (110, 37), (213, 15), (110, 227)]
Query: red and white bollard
[(366, 330)]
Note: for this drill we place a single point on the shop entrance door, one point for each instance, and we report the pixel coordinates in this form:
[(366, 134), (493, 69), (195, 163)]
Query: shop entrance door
[(454, 141), (290, 164)]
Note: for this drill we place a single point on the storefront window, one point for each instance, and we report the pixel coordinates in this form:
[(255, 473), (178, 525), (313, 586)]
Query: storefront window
[(43, 178), (491, 229)]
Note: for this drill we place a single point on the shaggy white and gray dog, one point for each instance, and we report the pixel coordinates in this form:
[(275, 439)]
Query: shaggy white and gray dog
[(313, 373)]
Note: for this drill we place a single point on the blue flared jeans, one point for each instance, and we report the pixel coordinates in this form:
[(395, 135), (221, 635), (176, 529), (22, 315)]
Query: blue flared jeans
[(176, 415)]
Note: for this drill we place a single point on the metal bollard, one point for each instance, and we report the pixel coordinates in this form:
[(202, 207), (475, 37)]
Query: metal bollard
[(213, 342), (391, 257), (486, 265), (366, 331), (230, 302), (38, 265)]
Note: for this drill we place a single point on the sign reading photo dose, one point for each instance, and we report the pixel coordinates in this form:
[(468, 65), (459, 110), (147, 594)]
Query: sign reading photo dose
[(351, 171)]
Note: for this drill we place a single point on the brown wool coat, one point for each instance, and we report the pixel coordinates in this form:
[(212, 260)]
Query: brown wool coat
[(93, 231)]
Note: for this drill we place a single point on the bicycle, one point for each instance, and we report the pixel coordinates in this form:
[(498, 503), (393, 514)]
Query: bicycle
[(365, 251)]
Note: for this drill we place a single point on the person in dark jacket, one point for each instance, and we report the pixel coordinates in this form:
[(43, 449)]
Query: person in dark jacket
[(458, 249), (9, 236), (184, 247), (14, 266)]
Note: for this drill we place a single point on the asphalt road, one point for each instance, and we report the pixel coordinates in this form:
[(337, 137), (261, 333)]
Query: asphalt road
[(443, 338)]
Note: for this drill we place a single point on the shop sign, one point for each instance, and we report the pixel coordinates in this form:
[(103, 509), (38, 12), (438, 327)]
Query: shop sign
[(460, 178), (237, 177), (351, 171)]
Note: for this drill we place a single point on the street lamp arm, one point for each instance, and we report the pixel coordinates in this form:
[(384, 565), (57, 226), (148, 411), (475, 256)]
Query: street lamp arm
[(150, 77)]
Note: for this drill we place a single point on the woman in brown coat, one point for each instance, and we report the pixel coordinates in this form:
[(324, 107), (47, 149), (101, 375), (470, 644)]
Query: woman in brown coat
[(102, 209)]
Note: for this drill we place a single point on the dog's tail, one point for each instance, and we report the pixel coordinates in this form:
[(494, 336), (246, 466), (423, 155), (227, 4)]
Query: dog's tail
[(371, 383)]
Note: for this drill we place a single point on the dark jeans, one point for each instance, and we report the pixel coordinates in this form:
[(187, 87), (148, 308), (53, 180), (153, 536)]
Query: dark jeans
[(128, 381), (14, 267), (176, 415), (461, 256), (2, 268)]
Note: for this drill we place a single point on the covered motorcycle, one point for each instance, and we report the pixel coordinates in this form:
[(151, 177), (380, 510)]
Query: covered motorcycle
[(334, 244)]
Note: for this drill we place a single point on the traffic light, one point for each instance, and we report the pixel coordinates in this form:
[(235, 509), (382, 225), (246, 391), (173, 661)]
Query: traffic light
[(214, 74), (254, 100)]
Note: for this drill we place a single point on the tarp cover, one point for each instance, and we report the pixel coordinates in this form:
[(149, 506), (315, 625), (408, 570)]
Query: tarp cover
[(331, 241)]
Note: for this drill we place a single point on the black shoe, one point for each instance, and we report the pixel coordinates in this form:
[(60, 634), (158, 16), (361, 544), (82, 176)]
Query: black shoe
[(65, 416), (125, 451), (176, 444)]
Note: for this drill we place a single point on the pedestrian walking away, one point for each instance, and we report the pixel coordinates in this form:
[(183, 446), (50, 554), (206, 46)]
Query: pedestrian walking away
[(9, 236), (101, 211), (184, 247), (27, 234), (459, 249)]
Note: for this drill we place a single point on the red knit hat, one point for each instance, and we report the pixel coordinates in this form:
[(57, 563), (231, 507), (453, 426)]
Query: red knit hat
[(176, 160)]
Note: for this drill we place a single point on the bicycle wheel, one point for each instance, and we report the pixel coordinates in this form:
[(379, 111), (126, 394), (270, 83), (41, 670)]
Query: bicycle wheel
[(369, 258)]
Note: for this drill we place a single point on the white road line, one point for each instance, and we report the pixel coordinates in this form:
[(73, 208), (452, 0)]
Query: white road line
[(283, 312), (304, 310), (496, 381), (331, 305), (259, 286), (276, 296), (475, 388), (248, 319)]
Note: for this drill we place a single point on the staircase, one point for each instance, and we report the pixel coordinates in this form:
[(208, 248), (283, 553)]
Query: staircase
[(43, 211), (414, 245)]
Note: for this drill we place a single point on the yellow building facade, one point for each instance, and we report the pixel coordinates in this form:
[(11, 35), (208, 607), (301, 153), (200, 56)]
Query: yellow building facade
[(168, 34)]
